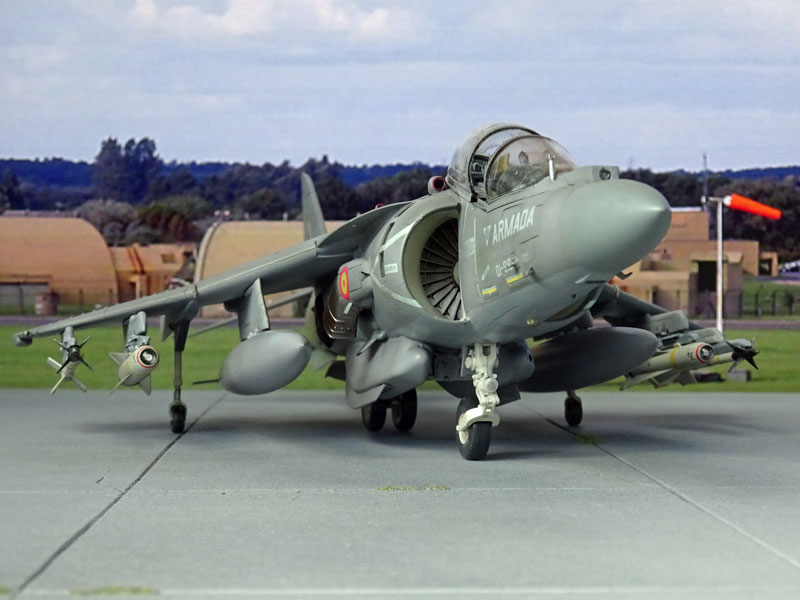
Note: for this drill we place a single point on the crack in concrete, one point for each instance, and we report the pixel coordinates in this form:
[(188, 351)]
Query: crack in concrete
[(682, 496), (94, 520)]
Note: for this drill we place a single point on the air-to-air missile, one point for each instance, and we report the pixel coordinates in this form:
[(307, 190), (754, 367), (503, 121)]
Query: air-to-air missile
[(71, 357), (139, 359)]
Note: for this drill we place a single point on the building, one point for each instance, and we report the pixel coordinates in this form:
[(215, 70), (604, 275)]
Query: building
[(681, 273), (144, 270), (67, 256), (231, 243)]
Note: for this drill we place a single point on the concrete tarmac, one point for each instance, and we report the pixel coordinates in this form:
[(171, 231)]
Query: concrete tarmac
[(287, 496)]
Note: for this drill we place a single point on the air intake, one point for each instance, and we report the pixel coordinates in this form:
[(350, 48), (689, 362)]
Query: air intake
[(439, 271)]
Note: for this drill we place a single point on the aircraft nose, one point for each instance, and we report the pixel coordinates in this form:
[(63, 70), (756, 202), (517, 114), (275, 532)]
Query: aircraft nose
[(613, 224)]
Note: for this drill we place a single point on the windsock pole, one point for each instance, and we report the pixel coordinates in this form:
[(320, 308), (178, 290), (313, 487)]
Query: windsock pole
[(719, 265), (736, 202)]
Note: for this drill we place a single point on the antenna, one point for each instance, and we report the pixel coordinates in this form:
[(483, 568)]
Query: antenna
[(704, 198)]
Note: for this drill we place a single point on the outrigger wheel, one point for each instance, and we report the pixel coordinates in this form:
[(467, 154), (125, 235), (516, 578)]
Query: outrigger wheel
[(473, 443), (177, 417), (573, 409)]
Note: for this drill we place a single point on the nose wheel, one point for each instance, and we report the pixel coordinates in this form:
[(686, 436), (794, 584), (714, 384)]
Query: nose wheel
[(573, 409), (473, 441)]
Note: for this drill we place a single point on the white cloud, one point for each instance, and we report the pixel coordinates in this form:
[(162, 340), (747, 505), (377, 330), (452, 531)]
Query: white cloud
[(248, 18)]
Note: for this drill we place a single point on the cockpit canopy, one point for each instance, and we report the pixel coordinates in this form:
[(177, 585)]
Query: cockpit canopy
[(498, 159)]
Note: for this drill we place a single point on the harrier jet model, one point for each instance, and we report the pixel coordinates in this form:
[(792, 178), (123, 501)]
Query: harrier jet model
[(517, 243)]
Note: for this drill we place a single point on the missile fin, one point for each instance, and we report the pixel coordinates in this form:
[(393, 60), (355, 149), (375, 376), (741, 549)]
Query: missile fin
[(53, 363), (117, 357), (119, 383), (58, 383), (145, 385), (630, 381), (81, 386)]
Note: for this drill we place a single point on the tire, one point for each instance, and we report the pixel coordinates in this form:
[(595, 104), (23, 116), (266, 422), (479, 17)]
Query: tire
[(404, 411), (374, 415), (473, 444), (573, 412), (177, 418)]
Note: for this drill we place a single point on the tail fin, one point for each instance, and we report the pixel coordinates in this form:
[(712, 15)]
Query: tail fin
[(313, 221)]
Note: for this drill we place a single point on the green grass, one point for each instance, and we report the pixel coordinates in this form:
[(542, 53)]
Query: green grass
[(762, 292), (27, 368)]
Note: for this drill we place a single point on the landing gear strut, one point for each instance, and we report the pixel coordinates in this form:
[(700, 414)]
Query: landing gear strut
[(177, 410), (476, 414), (573, 409)]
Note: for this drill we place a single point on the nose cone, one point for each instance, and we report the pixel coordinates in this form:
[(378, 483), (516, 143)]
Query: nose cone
[(613, 224)]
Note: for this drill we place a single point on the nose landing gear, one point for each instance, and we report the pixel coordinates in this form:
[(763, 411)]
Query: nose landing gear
[(476, 414)]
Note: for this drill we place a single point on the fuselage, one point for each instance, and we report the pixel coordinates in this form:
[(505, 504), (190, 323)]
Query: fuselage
[(453, 272)]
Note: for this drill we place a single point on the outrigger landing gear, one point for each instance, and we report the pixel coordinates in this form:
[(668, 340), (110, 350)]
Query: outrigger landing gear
[(177, 410), (573, 409), (476, 414)]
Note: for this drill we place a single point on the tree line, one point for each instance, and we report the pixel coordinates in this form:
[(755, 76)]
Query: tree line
[(131, 195)]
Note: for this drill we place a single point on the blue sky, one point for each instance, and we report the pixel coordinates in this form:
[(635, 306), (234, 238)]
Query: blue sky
[(631, 83)]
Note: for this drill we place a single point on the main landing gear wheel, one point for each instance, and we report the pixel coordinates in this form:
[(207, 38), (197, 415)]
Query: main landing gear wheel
[(473, 443), (374, 415), (177, 417), (573, 410), (404, 411)]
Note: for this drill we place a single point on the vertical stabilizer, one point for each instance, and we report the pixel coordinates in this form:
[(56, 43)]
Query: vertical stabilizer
[(313, 222)]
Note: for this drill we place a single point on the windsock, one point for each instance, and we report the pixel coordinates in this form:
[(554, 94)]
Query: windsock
[(737, 202)]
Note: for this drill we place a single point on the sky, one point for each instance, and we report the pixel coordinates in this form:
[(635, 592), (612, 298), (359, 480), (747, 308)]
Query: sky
[(646, 84)]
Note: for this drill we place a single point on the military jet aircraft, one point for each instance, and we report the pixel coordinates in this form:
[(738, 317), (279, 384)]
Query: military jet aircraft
[(515, 243)]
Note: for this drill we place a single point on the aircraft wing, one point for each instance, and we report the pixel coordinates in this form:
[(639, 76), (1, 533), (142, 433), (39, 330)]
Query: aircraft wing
[(301, 265), (621, 308)]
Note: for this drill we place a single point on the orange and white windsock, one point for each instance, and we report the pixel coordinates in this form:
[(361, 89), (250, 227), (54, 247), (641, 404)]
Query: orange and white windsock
[(737, 202)]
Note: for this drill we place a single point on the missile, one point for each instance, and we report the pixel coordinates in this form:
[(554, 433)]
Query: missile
[(681, 357), (135, 367), (71, 357)]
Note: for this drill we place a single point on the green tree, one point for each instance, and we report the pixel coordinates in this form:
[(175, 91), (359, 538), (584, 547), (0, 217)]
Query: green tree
[(264, 204), (125, 174), (110, 217), (11, 196), (175, 219)]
